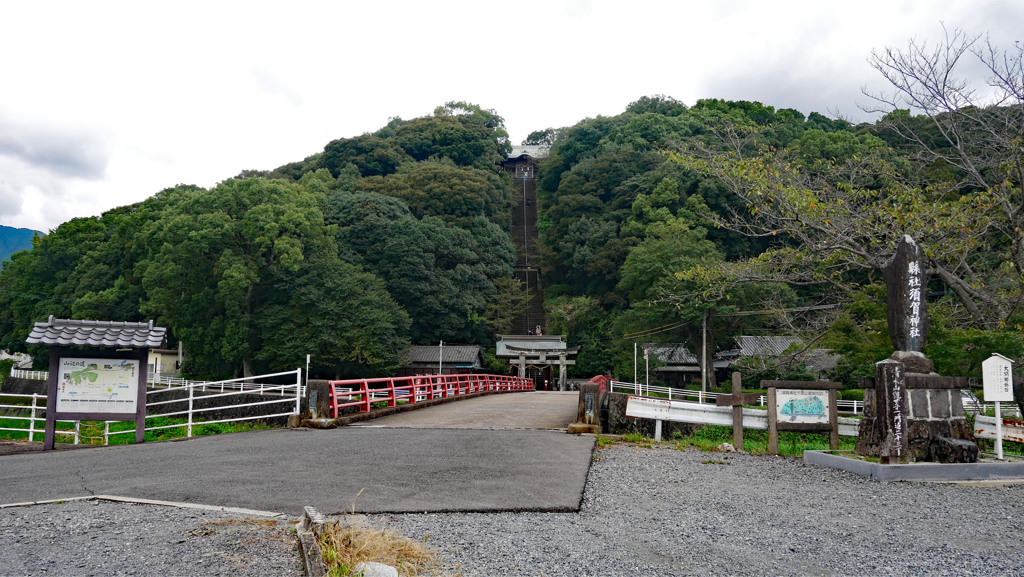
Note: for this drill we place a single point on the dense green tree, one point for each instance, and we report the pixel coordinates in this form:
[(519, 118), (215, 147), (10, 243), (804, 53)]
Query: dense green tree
[(444, 276), (371, 156), (466, 134), (216, 253), (339, 314), (455, 193)]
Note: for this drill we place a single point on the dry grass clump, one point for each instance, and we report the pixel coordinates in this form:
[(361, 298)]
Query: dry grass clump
[(343, 546)]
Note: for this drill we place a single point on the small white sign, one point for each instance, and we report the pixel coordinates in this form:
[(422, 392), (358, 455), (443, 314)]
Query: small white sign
[(997, 378)]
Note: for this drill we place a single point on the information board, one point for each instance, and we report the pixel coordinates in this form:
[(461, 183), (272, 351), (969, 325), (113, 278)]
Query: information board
[(97, 385)]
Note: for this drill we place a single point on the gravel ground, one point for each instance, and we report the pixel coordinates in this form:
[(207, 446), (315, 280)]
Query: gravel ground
[(656, 512), (662, 512), (107, 538)]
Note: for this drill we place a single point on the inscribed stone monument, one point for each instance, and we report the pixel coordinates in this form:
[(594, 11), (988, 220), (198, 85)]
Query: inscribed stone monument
[(910, 412)]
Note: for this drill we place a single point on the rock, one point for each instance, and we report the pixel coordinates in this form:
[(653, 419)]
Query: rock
[(914, 362), (374, 569), (950, 450), (727, 448)]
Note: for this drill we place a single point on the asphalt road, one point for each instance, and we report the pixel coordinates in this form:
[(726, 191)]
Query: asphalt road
[(369, 469)]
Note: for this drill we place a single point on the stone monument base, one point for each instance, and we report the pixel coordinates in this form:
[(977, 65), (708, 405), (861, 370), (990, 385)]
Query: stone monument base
[(911, 416)]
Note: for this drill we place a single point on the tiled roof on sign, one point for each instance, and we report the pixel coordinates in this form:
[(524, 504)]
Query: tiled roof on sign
[(100, 334)]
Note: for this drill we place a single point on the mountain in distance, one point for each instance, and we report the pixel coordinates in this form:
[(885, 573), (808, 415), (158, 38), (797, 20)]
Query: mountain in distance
[(13, 240)]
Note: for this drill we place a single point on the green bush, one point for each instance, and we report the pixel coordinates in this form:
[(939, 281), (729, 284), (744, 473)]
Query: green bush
[(852, 394), (5, 369)]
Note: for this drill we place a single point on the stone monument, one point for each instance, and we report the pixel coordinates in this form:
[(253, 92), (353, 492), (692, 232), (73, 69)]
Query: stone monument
[(910, 412)]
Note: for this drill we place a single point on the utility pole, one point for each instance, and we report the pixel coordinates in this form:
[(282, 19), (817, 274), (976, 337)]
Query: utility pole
[(704, 353), (440, 358)]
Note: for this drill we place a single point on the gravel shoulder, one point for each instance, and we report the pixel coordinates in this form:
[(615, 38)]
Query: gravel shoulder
[(657, 512), (667, 512), (110, 538)]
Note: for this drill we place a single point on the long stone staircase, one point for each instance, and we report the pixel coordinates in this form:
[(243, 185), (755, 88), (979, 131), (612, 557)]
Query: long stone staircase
[(524, 235)]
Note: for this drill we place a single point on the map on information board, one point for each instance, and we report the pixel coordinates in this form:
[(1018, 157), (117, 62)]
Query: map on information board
[(802, 406), (98, 385)]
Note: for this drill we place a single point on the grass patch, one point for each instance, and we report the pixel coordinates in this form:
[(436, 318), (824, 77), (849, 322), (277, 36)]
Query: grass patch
[(345, 546), (709, 437), (637, 439), (91, 432)]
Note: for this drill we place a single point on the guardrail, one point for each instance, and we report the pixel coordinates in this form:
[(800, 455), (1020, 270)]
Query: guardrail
[(392, 391), (656, 392), (686, 412), (289, 395)]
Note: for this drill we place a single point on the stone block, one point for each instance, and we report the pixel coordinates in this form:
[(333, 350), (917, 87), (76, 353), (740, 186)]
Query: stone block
[(919, 404), (869, 402), (940, 405), (961, 429), (956, 405), (867, 437), (939, 428), (949, 450), (374, 569), (918, 439), (914, 362), (590, 405)]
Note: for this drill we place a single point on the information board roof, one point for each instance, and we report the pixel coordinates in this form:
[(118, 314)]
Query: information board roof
[(103, 334)]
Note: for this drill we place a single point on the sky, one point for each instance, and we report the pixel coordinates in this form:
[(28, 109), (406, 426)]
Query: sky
[(103, 104)]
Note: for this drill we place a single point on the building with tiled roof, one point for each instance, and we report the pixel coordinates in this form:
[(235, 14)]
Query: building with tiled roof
[(457, 359)]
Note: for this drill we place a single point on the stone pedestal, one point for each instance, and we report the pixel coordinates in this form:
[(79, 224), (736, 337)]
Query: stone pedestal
[(910, 416)]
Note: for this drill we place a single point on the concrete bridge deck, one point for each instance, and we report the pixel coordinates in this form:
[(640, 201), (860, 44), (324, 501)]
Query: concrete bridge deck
[(414, 468), (544, 410)]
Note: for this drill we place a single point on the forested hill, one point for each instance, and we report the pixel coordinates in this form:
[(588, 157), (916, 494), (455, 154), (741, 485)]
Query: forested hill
[(756, 221), (14, 239), (378, 241), (653, 223)]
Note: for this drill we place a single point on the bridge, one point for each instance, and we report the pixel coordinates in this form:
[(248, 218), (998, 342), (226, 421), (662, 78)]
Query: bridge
[(503, 452)]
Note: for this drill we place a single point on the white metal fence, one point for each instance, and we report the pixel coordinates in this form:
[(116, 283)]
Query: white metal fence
[(158, 379), (286, 396)]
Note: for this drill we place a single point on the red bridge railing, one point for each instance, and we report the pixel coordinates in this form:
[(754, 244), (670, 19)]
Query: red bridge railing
[(364, 393)]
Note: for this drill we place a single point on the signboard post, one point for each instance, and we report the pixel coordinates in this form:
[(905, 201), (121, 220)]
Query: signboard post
[(97, 371), (809, 408), (997, 380), (96, 386)]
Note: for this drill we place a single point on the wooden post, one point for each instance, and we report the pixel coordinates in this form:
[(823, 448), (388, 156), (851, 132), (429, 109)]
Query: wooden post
[(737, 412), (736, 400), (833, 419), (773, 424)]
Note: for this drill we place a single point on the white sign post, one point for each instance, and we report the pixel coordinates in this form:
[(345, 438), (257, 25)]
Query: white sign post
[(997, 379)]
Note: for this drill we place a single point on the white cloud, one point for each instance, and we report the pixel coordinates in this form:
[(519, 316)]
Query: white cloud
[(115, 101)]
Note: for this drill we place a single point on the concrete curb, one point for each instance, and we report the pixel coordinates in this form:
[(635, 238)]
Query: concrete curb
[(116, 499), (934, 472), (308, 529)]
